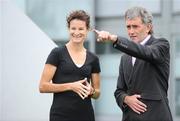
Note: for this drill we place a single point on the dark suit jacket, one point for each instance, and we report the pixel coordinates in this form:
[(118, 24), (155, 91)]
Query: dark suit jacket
[(148, 77)]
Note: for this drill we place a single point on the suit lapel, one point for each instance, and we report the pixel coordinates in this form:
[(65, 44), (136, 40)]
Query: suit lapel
[(129, 70), (129, 64), (132, 77), (149, 42)]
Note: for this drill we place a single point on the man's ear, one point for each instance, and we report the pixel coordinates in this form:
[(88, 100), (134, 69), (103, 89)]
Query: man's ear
[(149, 27)]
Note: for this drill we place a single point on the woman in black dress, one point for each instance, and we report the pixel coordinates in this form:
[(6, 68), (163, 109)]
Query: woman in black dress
[(71, 73)]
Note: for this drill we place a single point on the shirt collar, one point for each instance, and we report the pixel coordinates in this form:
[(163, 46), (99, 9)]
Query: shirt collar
[(145, 40)]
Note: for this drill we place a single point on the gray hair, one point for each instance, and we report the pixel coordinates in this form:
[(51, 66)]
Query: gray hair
[(141, 12)]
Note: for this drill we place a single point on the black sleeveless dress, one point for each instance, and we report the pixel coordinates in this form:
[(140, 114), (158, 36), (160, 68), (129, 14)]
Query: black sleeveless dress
[(69, 106)]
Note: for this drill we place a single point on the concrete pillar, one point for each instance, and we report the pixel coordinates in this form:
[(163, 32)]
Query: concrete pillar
[(167, 11), (0, 58)]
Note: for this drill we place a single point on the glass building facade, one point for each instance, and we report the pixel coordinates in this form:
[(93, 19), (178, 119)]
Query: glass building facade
[(50, 16)]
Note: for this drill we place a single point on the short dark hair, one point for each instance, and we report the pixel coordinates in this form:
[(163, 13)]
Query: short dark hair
[(80, 15)]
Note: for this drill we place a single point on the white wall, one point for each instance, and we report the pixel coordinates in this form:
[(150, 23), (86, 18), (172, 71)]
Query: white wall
[(0, 58), (23, 51)]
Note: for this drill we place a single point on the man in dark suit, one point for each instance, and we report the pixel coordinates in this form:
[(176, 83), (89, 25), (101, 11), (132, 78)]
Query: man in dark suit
[(144, 69)]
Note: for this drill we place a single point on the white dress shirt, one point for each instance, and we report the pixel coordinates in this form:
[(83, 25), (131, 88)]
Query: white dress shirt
[(142, 43)]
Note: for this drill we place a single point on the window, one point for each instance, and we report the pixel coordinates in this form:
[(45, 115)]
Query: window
[(176, 6), (50, 15), (106, 48), (177, 76), (177, 46)]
